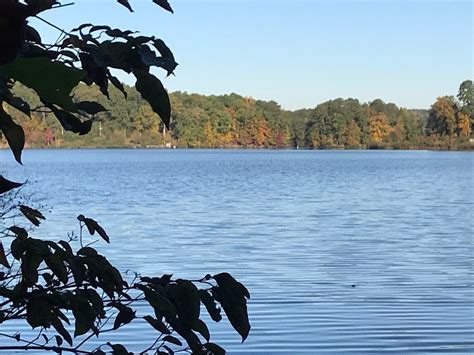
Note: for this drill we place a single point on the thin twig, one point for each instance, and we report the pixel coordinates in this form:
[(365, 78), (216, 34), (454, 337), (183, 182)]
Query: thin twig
[(56, 349), (52, 25), (62, 5)]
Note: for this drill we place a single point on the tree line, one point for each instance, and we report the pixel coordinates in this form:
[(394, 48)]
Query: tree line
[(232, 121)]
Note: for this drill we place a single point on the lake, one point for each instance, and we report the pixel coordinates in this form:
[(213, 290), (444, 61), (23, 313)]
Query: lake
[(342, 251)]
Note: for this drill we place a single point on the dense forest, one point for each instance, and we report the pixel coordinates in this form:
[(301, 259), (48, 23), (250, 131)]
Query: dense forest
[(233, 121)]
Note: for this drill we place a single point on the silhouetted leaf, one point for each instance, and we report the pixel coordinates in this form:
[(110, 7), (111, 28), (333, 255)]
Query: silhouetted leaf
[(19, 232), (118, 349), (3, 257), (214, 349), (232, 296), (83, 313), (164, 4), (157, 324), (38, 312), (86, 127), (59, 340), (52, 81), (125, 316), (61, 315), (115, 82), (56, 265), (91, 107), (73, 41), (37, 6), (96, 71), (170, 63), (78, 270), (96, 301), (33, 215), (187, 334), (88, 251), (99, 28), (160, 303), (185, 297), (169, 350), (202, 329), (48, 278), (210, 305), (118, 55), (81, 27), (65, 246), (171, 339), (137, 41), (69, 121), (111, 279), (38, 246), (7, 185), (13, 133), (32, 35), (126, 4), (164, 50), (115, 32), (152, 90), (58, 325), (69, 54), (17, 248), (149, 58), (165, 280), (19, 104), (162, 281), (29, 268), (93, 227)]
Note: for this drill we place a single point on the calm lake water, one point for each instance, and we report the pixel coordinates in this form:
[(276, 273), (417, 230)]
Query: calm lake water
[(299, 228)]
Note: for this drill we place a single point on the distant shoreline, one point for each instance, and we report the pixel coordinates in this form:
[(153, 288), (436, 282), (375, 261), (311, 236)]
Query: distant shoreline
[(464, 149)]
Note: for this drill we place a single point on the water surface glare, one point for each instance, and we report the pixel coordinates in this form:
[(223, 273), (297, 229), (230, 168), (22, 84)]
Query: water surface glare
[(342, 251)]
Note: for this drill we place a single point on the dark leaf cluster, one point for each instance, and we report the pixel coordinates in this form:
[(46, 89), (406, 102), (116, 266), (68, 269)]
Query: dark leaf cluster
[(85, 55), (55, 286), (70, 289)]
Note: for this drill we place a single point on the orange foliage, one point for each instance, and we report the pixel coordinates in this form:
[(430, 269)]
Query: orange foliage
[(352, 134), (379, 127), (464, 125)]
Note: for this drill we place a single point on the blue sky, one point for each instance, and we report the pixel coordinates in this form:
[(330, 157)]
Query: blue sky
[(302, 52)]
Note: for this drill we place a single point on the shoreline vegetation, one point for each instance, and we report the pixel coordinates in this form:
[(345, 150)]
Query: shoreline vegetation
[(233, 121), (462, 148)]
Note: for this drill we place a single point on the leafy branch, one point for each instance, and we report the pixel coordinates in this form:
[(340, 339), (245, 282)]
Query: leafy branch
[(73, 289)]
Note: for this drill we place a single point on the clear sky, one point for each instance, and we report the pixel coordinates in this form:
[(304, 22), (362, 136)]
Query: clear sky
[(302, 52)]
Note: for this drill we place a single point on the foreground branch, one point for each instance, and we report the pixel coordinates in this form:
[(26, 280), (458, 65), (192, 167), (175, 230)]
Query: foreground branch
[(56, 349)]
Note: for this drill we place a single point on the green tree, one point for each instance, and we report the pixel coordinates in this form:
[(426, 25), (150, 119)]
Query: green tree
[(330, 122), (466, 98), (442, 117), (297, 122), (351, 137), (413, 126)]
